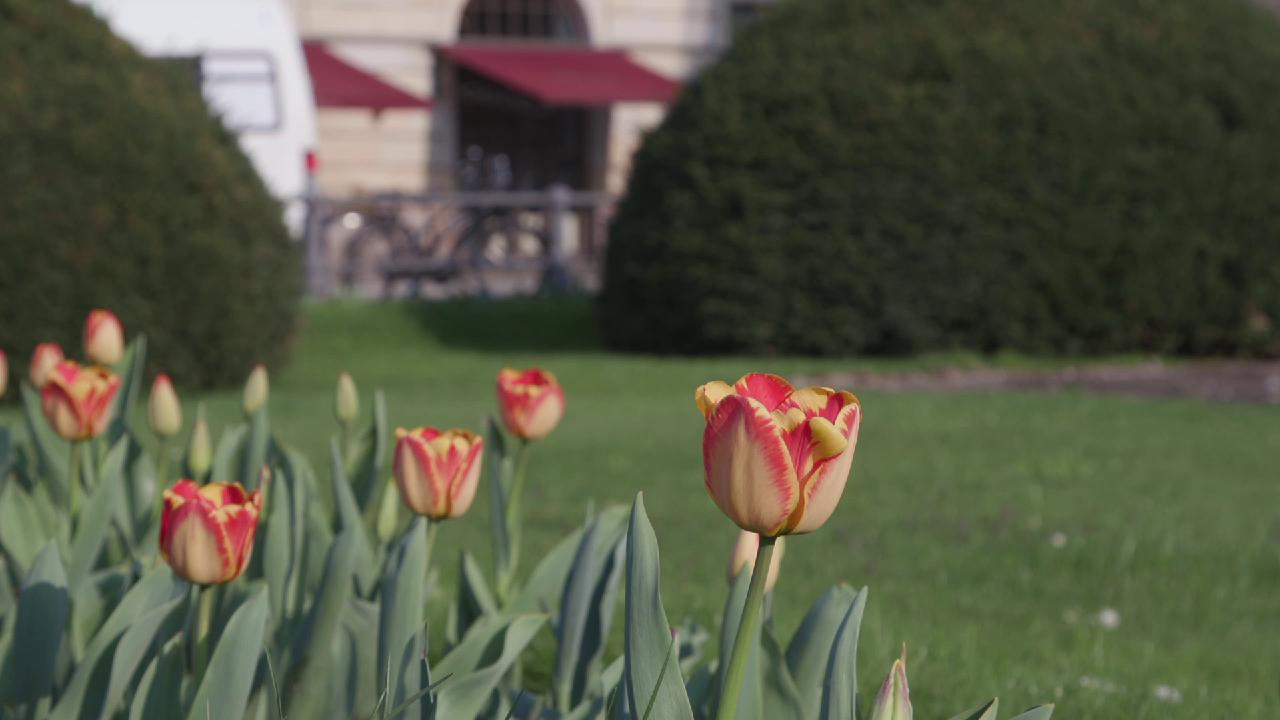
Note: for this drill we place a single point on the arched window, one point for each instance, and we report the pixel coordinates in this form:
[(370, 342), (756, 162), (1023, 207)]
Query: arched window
[(559, 20)]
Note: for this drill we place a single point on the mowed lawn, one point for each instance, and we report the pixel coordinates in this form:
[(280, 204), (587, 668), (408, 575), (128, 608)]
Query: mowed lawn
[(996, 531)]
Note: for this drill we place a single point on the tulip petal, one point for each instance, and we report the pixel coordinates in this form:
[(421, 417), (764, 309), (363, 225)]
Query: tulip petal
[(749, 473), (770, 390), (822, 492), (463, 491), (195, 546), (709, 395), (420, 485)]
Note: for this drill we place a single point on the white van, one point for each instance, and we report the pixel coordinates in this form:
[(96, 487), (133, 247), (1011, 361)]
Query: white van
[(248, 59)]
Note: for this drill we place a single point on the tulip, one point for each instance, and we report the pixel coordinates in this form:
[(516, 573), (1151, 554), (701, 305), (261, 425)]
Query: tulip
[(206, 532), (199, 447), (894, 699), (164, 410), (346, 402), (103, 337), (43, 359), (532, 402), (437, 472), (256, 390), (4, 373), (744, 557), (77, 400), (777, 458)]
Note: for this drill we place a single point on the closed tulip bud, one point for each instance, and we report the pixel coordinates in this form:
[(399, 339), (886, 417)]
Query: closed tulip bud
[(531, 401), (199, 447), (103, 338), (43, 359), (164, 409), (894, 699), (77, 400), (256, 390), (777, 458), (437, 472), (4, 373), (206, 533), (744, 557), (346, 403)]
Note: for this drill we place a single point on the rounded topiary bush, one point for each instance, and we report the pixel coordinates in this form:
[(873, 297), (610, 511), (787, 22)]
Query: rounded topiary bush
[(118, 189), (883, 176)]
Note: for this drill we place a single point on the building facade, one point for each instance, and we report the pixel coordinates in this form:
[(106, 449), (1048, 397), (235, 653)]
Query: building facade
[(499, 94)]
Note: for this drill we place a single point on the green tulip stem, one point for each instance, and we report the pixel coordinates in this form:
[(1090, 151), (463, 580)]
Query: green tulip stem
[(73, 481), (162, 462), (433, 527), (204, 621), (745, 639), (521, 465), (344, 428)]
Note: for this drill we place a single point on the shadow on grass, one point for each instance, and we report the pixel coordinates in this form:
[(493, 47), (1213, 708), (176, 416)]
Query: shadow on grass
[(550, 324)]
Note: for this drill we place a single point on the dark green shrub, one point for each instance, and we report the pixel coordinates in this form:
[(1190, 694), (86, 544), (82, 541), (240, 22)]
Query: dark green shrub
[(119, 190), (890, 176)]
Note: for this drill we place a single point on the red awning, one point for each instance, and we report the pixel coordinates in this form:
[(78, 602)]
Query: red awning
[(337, 83), (564, 75)]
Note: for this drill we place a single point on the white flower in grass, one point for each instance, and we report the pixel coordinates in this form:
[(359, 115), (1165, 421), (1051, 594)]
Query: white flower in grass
[(1109, 618), (1167, 693), (1058, 540)]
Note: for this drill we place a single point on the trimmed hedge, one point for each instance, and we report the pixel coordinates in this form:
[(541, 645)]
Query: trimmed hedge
[(879, 176), (118, 189)]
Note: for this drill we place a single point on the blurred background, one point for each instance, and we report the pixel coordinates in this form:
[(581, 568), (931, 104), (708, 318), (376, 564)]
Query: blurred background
[(1040, 239)]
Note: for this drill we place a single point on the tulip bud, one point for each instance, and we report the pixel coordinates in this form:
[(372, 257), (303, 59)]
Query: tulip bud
[(77, 400), (199, 447), (206, 533), (744, 556), (165, 410), (894, 699), (256, 389), (531, 401), (346, 400), (4, 373), (103, 338), (44, 358), (437, 472)]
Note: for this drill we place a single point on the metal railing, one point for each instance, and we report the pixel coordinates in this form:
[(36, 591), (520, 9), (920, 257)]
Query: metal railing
[(490, 243)]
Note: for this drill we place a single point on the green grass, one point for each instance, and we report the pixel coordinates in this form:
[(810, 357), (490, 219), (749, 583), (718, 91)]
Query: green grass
[(1170, 509)]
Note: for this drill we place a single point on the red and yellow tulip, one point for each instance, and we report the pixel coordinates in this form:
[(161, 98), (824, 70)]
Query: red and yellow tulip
[(776, 457), (103, 337), (438, 472), (44, 358), (206, 532), (77, 399), (744, 556), (531, 401)]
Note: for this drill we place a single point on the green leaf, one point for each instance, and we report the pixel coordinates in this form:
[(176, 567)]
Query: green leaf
[(1039, 712), (331, 599), (52, 451), (810, 648), (44, 608), (28, 520), (586, 609), (403, 595), (162, 687), (542, 591), (474, 600), (132, 376), (751, 701), (781, 697), (840, 691), (496, 471), (279, 561), (254, 454), (95, 515), (137, 643), (370, 475), (985, 711), (648, 635), (224, 690), (349, 518), (356, 664), (226, 456), (484, 656)]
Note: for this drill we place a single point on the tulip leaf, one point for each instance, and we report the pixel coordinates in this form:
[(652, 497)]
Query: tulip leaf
[(157, 624), (1039, 712), (781, 697), (648, 635), (474, 600), (44, 607), (542, 591), (224, 690), (349, 518), (474, 668), (810, 648), (53, 453), (840, 690), (357, 659), (131, 370), (254, 453), (28, 520), (370, 474), (226, 456), (317, 635), (161, 688), (95, 515), (279, 563), (586, 608), (497, 470), (403, 595), (985, 711), (751, 700)]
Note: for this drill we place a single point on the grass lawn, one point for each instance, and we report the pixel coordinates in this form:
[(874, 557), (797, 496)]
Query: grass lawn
[(993, 529)]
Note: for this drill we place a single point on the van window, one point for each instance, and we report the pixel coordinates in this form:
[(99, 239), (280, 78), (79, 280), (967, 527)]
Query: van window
[(241, 88)]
